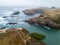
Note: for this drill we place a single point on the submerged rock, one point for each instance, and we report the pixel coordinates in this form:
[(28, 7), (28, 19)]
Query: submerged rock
[(12, 23), (5, 16)]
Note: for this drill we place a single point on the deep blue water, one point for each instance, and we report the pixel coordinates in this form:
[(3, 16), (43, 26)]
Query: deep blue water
[(52, 35)]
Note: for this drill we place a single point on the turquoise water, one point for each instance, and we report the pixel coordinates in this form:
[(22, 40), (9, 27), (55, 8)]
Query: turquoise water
[(52, 35)]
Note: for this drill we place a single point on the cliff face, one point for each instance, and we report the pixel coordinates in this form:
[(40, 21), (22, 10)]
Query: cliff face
[(50, 18)]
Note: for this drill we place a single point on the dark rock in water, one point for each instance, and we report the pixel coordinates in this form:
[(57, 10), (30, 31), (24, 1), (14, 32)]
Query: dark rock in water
[(5, 16), (16, 13), (12, 23)]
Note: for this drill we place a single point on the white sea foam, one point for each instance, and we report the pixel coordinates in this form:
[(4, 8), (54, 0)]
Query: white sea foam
[(3, 22), (24, 23), (1, 19), (8, 13)]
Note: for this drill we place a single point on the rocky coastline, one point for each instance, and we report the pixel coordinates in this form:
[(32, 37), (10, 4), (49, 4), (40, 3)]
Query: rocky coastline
[(49, 18)]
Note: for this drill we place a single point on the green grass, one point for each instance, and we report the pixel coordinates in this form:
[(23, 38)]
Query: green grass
[(37, 36)]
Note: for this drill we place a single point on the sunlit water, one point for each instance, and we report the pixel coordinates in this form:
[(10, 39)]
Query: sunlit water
[(52, 35)]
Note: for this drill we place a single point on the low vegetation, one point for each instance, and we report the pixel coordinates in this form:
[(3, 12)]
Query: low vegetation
[(37, 36)]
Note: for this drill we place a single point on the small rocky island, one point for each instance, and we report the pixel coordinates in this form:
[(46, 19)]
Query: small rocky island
[(50, 18), (20, 36)]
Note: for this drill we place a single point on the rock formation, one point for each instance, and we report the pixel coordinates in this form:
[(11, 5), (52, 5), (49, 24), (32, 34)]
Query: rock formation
[(50, 18), (29, 12), (34, 11)]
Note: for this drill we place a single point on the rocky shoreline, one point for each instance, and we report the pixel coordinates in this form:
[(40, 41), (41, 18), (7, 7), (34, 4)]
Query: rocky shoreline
[(49, 18)]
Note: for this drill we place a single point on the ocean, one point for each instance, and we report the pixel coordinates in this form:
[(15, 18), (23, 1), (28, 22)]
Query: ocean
[(52, 35)]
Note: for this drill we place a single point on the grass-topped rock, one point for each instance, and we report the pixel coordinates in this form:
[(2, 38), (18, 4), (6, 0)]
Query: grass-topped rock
[(17, 36)]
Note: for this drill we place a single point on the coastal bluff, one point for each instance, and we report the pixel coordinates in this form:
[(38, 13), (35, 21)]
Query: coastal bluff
[(17, 36)]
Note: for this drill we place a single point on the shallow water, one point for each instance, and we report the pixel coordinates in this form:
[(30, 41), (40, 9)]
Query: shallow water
[(52, 35)]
